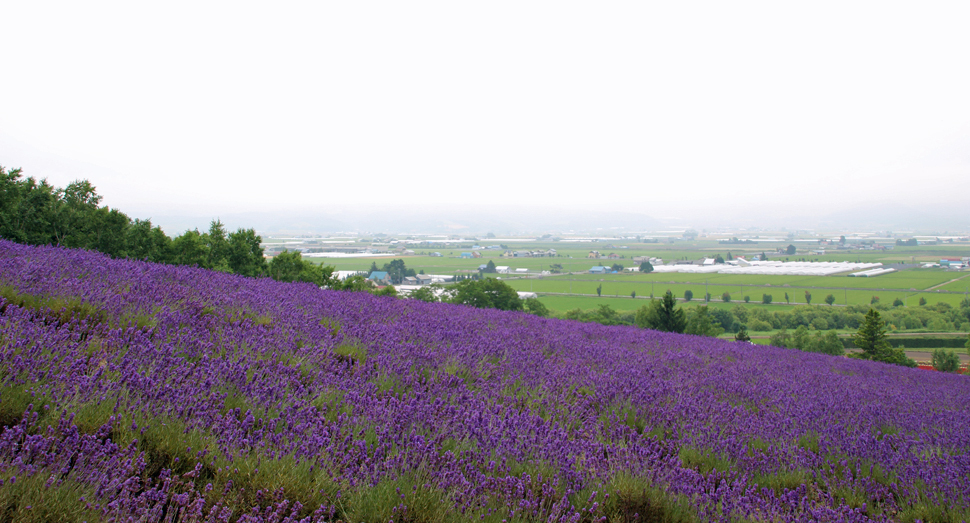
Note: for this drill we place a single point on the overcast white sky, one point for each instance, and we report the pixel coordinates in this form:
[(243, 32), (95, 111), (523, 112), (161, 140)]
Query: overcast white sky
[(223, 107)]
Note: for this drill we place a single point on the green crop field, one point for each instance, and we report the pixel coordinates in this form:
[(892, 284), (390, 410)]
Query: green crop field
[(626, 304), (918, 279), (796, 294)]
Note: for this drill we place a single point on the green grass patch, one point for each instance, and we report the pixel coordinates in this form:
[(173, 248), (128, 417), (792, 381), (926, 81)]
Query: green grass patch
[(59, 309), (31, 500), (351, 353), (633, 498), (703, 461), (407, 498)]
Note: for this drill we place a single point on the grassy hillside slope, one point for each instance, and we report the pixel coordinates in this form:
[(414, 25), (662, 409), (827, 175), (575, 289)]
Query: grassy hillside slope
[(160, 393)]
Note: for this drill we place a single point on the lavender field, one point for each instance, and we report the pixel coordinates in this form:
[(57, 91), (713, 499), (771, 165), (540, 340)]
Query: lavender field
[(131, 391)]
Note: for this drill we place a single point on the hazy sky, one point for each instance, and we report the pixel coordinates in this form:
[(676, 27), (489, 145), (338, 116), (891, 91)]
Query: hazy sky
[(666, 109)]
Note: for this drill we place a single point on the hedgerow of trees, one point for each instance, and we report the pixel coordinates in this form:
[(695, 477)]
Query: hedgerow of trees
[(36, 213)]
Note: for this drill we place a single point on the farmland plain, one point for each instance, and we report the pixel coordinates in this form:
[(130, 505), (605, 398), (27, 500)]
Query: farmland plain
[(574, 287)]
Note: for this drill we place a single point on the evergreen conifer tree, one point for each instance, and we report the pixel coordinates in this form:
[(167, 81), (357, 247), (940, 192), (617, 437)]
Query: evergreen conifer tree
[(871, 338), (742, 334), (662, 315)]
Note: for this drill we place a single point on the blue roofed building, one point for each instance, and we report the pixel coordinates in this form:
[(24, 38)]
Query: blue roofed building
[(380, 277), (598, 270)]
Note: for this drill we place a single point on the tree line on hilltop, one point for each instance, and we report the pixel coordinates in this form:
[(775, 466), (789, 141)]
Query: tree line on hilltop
[(36, 213)]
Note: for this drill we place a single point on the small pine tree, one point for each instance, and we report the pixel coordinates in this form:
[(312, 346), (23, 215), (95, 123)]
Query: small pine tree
[(688, 295), (922, 301), (871, 338), (808, 297), (662, 315), (742, 334)]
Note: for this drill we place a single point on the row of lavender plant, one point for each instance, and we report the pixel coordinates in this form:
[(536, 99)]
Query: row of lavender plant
[(173, 393)]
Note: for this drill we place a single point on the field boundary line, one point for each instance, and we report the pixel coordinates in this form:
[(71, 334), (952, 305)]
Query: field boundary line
[(947, 283)]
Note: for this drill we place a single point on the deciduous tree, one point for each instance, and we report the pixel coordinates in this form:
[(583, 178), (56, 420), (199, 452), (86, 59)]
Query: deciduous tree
[(488, 293), (536, 307), (945, 360), (700, 323)]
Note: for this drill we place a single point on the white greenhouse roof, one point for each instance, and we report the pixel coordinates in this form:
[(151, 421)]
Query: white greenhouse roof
[(778, 268)]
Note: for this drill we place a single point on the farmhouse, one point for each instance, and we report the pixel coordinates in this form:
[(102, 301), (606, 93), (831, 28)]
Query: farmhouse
[(380, 277), (599, 269)]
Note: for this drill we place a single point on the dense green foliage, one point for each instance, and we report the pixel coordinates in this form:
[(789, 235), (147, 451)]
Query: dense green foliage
[(702, 323), (945, 360), (487, 293), (809, 341), (427, 293), (937, 318), (290, 266), (534, 306), (603, 314)]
